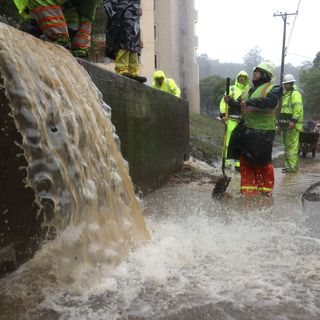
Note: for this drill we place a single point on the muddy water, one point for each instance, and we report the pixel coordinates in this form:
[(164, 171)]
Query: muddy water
[(232, 258), (74, 166)]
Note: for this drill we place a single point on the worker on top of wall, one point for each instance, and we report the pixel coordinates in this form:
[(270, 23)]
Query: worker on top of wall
[(123, 41), (65, 22), (162, 83)]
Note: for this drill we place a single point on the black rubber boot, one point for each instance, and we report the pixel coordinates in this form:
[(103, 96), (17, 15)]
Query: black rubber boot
[(128, 75), (140, 79)]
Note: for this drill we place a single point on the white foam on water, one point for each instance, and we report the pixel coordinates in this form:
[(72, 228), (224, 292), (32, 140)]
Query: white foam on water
[(247, 259), (256, 260)]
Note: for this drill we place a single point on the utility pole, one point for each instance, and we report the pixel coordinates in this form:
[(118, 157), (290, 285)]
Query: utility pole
[(284, 49)]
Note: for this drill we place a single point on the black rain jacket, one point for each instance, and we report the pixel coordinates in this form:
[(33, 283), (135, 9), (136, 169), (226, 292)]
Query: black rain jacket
[(255, 145), (123, 26)]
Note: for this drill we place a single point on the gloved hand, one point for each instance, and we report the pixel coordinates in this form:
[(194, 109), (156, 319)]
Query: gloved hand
[(222, 117), (292, 125), (226, 99), (243, 105)]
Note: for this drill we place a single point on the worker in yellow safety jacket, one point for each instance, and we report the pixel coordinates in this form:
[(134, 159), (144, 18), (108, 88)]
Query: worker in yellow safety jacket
[(65, 22), (290, 122), (241, 86), (162, 83)]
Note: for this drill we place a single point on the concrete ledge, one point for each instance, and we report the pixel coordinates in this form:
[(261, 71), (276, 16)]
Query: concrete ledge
[(153, 126)]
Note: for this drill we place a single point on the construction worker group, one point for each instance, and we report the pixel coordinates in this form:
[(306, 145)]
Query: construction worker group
[(69, 23), (252, 124)]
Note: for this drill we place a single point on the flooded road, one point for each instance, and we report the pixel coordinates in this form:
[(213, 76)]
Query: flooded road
[(232, 258), (236, 257)]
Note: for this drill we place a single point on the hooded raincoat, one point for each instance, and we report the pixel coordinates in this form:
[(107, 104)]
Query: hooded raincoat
[(123, 26), (236, 91), (168, 85)]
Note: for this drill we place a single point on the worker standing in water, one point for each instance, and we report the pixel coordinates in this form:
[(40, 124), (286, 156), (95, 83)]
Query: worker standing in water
[(240, 87), (64, 22), (253, 138), (290, 122)]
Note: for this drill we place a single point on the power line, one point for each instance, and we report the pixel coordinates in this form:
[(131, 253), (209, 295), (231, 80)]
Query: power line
[(299, 55), (293, 25)]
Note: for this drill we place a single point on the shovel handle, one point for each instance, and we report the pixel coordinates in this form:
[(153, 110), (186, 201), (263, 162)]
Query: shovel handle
[(224, 150), (227, 86)]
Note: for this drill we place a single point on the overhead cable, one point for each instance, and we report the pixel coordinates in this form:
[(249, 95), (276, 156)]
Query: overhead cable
[(293, 25)]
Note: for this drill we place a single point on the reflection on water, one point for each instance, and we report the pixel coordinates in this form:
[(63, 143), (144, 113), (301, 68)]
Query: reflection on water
[(232, 258)]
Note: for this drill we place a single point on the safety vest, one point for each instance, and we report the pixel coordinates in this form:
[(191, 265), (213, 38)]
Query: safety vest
[(292, 108), (260, 118), (236, 91)]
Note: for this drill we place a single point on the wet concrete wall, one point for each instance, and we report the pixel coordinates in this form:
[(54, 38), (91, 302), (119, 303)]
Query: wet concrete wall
[(153, 126), (19, 218)]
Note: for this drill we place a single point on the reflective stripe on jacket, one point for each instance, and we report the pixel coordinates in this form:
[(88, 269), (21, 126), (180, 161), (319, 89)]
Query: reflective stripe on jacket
[(236, 91), (292, 106)]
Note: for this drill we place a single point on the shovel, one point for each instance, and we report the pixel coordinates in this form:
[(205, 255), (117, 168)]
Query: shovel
[(223, 182)]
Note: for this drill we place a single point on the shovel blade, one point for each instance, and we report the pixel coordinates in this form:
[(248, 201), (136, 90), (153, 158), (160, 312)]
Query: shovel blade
[(221, 186)]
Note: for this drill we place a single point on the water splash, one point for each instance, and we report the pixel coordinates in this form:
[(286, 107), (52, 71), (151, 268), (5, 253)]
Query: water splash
[(236, 258), (74, 163)]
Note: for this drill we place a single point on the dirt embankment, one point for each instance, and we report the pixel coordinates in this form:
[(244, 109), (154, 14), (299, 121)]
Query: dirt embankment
[(206, 136), (206, 140)]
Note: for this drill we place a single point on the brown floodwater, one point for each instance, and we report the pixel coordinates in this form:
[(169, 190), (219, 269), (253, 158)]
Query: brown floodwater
[(231, 258)]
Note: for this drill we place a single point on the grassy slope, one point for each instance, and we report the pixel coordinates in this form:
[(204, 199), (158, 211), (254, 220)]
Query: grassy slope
[(206, 137)]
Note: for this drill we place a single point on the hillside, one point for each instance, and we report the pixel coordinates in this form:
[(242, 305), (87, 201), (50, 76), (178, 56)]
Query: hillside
[(206, 137)]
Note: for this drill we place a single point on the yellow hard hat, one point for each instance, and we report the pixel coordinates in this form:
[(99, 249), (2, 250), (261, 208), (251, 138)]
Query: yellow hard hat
[(268, 67)]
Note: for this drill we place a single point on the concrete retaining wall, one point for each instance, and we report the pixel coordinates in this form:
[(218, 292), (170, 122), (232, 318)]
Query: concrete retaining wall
[(153, 126)]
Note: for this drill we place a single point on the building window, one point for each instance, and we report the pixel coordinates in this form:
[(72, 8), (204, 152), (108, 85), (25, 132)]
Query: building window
[(155, 32), (156, 62), (154, 5)]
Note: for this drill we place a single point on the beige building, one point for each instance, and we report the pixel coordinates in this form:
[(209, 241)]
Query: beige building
[(169, 44), (175, 46)]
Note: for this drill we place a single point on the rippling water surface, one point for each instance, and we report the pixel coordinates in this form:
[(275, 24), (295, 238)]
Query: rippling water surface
[(231, 258)]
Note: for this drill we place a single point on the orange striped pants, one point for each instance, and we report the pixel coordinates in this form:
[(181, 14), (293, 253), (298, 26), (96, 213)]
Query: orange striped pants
[(256, 179), (54, 26)]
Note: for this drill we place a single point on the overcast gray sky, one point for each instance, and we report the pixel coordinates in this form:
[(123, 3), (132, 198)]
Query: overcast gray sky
[(228, 29)]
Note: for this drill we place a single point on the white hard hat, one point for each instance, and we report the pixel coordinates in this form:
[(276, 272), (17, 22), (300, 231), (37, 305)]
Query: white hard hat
[(288, 78)]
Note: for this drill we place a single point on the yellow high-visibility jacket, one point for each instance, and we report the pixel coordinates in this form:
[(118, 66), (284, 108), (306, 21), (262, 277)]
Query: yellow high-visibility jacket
[(168, 85), (236, 91), (292, 105)]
